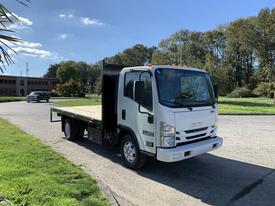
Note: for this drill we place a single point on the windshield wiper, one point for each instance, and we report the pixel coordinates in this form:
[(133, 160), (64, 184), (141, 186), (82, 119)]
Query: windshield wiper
[(173, 101)]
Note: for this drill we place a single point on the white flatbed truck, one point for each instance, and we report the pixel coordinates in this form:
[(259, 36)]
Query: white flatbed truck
[(166, 112)]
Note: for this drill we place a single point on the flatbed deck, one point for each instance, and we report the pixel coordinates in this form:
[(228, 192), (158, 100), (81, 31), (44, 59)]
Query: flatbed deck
[(85, 113)]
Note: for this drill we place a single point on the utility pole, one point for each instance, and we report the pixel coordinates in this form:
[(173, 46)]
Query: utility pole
[(27, 69)]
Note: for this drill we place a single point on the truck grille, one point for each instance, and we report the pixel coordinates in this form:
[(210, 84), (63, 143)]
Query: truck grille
[(194, 141), (195, 130), (195, 136)]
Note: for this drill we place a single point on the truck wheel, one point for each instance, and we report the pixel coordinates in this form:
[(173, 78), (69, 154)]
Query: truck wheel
[(72, 130), (130, 153)]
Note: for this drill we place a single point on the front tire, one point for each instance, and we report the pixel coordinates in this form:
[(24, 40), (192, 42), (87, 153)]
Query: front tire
[(130, 153)]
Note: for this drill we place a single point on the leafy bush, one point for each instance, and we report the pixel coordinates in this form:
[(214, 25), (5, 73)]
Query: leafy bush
[(264, 89), (70, 88), (241, 92), (55, 93)]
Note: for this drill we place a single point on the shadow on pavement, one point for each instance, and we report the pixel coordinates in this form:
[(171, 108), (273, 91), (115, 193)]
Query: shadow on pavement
[(212, 179)]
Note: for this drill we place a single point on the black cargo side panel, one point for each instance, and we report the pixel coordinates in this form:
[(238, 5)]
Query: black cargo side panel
[(110, 77)]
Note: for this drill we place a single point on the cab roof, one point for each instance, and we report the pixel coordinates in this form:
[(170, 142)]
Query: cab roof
[(154, 67)]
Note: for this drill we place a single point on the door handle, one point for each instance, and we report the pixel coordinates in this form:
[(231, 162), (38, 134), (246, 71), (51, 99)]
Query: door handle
[(150, 119)]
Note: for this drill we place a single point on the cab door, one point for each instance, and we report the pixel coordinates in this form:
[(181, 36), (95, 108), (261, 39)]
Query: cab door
[(138, 118)]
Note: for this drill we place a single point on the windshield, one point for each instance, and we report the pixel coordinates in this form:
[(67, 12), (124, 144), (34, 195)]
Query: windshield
[(183, 88), (38, 93)]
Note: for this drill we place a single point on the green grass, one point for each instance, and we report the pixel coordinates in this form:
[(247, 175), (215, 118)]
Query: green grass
[(11, 99), (78, 102), (254, 106), (33, 174)]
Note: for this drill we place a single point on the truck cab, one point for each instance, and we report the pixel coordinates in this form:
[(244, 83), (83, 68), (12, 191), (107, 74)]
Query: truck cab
[(170, 113)]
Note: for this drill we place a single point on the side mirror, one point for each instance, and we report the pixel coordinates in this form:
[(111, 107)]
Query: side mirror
[(216, 91), (139, 91)]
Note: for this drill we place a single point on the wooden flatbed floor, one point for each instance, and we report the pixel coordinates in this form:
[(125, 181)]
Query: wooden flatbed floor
[(86, 113)]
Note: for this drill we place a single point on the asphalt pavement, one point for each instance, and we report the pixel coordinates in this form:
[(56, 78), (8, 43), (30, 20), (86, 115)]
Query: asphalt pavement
[(239, 173)]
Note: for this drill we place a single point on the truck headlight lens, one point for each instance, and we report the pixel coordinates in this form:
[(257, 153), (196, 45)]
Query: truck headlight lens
[(167, 135)]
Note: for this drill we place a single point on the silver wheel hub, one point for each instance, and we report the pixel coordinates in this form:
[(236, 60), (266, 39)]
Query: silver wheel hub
[(129, 151), (67, 130)]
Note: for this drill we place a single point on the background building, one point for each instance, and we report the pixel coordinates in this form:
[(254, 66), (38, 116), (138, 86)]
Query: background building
[(22, 86)]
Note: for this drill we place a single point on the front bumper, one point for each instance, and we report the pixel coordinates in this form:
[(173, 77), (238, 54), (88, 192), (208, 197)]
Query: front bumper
[(186, 151)]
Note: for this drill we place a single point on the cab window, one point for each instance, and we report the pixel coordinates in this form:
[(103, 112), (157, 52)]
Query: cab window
[(148, 92), (130, 78)]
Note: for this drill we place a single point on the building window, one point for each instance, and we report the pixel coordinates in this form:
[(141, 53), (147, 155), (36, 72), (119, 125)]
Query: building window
[(13, 81), (22, 92), (1, 81), (22, 83)]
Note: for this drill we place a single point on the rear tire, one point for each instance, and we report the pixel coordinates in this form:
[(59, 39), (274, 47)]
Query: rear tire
[(73, 130), (131, 154)]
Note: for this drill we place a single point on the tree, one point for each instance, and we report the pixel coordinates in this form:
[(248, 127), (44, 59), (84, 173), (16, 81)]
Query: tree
[(135, 56), (94, 76), (52, 71), (81, 72), (6, 18), (70, 88), (68, 71), (265, 44), (98, 86)]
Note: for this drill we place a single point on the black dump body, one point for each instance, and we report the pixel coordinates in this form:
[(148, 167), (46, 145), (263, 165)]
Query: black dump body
[(110, 77)]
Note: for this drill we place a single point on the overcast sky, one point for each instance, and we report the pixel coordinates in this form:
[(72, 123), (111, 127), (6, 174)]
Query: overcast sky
[(57, 30)]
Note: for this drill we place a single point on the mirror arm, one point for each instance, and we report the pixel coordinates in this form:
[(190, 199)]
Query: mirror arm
[(149, 115)]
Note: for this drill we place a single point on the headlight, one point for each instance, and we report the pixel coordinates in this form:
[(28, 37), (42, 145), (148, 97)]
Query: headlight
[(167, 135)]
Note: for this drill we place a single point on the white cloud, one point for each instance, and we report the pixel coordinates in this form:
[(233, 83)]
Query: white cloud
[(22, 43), (33, 52), (83, 20), (63, 36), (29, 44), (66, 16), (62, 15), (88, 21), (18, 22)]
